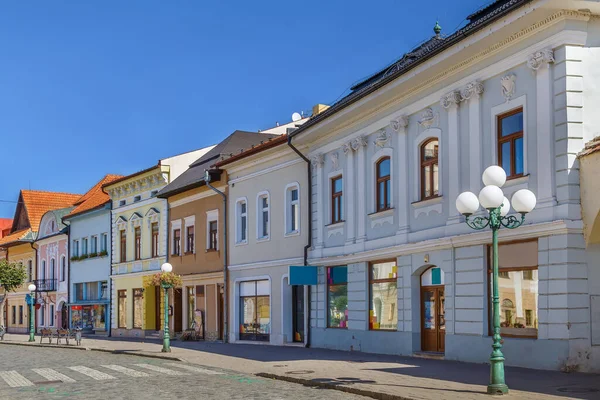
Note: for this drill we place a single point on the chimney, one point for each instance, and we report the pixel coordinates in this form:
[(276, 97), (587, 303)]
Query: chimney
[(319, 108)]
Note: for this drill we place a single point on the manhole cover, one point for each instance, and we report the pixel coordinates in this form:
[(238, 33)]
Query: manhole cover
[(300, 372), (577, 390)]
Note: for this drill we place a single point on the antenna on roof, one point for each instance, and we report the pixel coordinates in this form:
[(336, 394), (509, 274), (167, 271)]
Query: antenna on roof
[(296, 117)]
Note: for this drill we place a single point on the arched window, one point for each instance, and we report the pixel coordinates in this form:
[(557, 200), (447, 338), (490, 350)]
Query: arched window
[(429, 169), (383, 184)]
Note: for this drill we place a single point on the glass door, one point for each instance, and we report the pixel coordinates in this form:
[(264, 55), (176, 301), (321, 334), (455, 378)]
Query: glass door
[(433, 325), (298, 313)]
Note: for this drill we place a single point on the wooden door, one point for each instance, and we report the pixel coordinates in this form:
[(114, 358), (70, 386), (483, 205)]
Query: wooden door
[(177, 310), (433, 322)]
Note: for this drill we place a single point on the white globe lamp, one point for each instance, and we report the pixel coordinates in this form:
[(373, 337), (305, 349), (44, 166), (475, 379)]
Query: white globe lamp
[(523, 201), (491, 196), (505, 207), (31, 287), (494, 175), (467, 203), (166, 267)]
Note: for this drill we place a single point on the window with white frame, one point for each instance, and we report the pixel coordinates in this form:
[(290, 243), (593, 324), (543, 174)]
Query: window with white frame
[(190, 234), (176, 237), (84, 246), (51, 316), (212, 230), (104, 242), (94, 244), (75, 250), (263, 216), (241, 228), (63, 268), (292, 208)]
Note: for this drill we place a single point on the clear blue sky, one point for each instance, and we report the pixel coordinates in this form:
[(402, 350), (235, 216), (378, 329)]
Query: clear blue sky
[(95, 87)]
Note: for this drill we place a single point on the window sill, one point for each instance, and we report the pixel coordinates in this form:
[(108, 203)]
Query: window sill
[(382, 213), (189, 253), (211, 251), (427, 202), (383, 330), (335, 225), (337, 327), (336, 229), (242, 243), (516, 180), (292, 234), (263, 239)]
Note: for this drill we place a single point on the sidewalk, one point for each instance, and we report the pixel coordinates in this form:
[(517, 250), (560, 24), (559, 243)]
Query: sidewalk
[(379, 376)]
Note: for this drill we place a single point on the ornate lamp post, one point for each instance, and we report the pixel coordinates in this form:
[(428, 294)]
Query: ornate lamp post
[(493, 200), (166, 268), (30, 302)]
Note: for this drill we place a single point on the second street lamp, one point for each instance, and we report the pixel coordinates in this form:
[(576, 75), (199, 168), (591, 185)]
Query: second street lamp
[(493, 200), (30, 302), (166, 268)]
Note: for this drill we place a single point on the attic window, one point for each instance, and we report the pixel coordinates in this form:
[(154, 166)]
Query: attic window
[(122, 203), (137, 198), (153, 193)]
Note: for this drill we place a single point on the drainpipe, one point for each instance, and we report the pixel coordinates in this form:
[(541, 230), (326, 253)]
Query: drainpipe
[(309, 239), (225, 286)]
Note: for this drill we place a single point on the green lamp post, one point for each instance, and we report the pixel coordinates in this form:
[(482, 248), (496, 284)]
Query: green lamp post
[(31, 302), (493, 200), (166, 268)]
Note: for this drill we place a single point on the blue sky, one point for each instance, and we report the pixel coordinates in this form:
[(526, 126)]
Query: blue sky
[(95, 87)]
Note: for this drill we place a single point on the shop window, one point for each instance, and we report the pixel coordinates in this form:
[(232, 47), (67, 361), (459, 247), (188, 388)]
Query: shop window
[(122, 309), (138, 243), (429, 169), (123, 242), (518, 292), (155, 242), (510, 142), (255, 310), (337, 297), (383, 184), (14, 315), (383, 313), (337, 200), (138, 308), (79, 296)]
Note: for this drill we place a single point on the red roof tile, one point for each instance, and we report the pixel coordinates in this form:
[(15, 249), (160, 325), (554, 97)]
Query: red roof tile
[(591, 147), (95, 197), (38, 202), (14, 237)]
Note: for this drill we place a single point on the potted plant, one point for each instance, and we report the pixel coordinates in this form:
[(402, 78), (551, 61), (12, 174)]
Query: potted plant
[(74, 258), (103, 253), (83, 256), (91, 255)]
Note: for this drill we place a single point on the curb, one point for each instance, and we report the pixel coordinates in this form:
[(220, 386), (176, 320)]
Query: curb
[(311, 383), (124, 352)]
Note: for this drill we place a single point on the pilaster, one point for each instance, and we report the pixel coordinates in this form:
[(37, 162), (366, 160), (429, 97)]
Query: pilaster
[(399, 125), (359, 145), (472, 94), (349, 183), (317, 162), (451, 102)]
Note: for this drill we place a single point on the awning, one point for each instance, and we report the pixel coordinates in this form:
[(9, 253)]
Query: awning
[(303, 275)]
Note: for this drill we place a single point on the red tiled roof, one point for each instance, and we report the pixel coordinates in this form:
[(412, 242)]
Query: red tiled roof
[(95, 197), (38, 202), (592, 146), (5, 223), (14, 237)]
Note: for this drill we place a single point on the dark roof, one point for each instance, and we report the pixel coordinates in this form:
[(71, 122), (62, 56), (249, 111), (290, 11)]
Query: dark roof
[(253, 150), (418, 55), (193, 177)]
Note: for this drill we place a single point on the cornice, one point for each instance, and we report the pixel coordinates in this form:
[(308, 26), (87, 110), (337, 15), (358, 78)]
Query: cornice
[(138, 185)]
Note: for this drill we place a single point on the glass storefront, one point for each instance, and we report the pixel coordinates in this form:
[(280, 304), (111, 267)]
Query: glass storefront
[(255, 311), (89, 317)]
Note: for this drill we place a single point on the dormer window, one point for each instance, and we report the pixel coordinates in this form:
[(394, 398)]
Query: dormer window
[(137, 198), (122, 203)]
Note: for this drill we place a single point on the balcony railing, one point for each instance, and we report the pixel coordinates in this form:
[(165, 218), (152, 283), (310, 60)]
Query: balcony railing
[(45, 285)]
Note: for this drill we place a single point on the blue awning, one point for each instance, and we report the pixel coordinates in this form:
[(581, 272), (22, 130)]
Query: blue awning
[(303, 275)]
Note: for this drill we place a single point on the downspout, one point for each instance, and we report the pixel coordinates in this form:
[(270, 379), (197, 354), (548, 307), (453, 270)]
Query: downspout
[(68, 272), (309, 239), (225, 286), (110, 260)]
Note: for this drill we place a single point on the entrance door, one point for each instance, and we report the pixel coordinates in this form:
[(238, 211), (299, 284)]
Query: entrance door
[(64, 318), (298, 313), (157, 316), (221, 296), (177, 310), (433, 322)]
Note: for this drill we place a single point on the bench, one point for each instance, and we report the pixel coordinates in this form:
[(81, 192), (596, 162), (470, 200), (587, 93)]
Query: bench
[(62, 334), (46, 333), (2, 332)]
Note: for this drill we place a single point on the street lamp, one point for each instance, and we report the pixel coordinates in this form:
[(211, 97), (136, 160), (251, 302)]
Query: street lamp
[(493, 200), (30, 302), (166, 268)]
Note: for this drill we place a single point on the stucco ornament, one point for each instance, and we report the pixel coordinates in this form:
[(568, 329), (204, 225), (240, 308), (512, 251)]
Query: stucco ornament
[(382, 138), (52, 250), (428, 118), (317, 160), (399, 123), (359, 142), (540, 58), (347, 147), (335, 160), (472, 89), (509, 85), (451, 99)]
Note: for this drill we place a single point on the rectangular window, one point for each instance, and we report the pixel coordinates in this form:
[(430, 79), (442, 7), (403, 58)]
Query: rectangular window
[(294, 210), (51, 316), (263, 217), (104, 243), (292, 213), (510, 142), (518, 290), (190, 239), (337, 297), (337, 199), (79, 296), (30, 270), (94, 244), (123, 240), (137, 198), (242, 234), (91, 291), (84, 246), (138, 308), (75, 250), (14, 315), (430, 169), (176, 242), (255, 310), (155, 239), (43, 315), (213, 235), (21, 315), (138, 243), (122, 203), (383, 292), (122, 308)]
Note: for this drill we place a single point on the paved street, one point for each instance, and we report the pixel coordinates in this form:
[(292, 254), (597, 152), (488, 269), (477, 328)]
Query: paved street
[(46, 373)]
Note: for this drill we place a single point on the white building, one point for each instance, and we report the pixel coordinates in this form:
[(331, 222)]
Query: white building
[(399, 270)]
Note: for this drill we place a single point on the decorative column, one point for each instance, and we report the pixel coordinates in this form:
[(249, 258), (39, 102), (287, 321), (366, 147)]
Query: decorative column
[(450, 102), (359, 145), (317, 162), (539, 62), (349, 215), (399, 125), (471, 93)]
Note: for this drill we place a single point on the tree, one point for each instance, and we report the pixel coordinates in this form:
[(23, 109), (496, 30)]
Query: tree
[(12, 277)]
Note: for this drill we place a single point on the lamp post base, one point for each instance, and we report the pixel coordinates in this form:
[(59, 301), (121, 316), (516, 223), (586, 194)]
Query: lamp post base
[(497, 389), (166, 350)]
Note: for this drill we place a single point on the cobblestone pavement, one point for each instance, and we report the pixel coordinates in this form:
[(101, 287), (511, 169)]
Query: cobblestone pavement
[(46, 373)]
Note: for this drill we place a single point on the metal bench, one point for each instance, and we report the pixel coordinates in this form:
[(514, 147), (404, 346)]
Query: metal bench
[(2, 332), (46, 333)]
